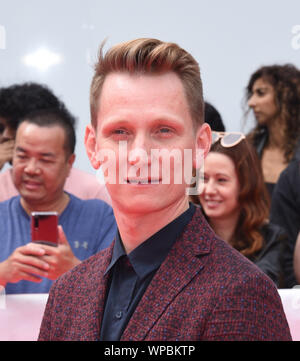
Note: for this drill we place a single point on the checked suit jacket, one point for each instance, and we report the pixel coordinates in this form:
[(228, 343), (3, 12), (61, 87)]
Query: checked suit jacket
[(204, 290)]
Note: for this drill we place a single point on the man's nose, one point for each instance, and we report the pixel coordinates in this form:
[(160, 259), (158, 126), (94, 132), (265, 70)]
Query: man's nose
[(32, 167), (140, 150)]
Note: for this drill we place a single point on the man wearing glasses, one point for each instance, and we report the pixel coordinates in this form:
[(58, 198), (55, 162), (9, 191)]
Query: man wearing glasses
[(166, 276)]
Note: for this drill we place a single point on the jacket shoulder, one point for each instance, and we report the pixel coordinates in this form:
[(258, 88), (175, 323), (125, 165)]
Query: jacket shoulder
[(84, 273), (76, 298)]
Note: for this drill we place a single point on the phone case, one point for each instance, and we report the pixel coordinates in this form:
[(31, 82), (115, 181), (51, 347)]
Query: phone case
[(44, 228)]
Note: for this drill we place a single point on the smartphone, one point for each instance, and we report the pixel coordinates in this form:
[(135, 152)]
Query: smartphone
[(44, 228)]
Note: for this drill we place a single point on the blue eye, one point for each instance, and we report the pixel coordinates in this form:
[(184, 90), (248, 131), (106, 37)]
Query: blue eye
[(165, 131), (119, 134)]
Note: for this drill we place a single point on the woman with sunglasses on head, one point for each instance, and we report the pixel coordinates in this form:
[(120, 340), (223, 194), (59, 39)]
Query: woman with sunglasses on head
[(236, 203), (273, 93)]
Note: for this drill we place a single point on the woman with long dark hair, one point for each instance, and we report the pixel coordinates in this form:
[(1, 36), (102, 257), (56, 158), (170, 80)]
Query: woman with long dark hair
[(273, 93), (236, 203)]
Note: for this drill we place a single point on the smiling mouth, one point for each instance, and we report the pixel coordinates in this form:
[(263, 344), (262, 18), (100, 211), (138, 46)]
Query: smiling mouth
[(212, 203), (31, 184)]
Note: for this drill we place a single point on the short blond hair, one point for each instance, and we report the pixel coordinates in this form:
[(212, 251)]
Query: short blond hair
[(150, 56)]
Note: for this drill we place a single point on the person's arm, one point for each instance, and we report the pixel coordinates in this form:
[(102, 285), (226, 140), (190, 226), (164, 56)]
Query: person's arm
[(6, 152), (297, 259), (275, 259), (269, 259), (33, 261), (24, 264), (248, 309), (285, 205), (285, 212)]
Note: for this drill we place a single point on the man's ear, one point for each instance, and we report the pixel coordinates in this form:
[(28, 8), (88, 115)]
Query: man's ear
[(203, 143), (71, 161), (90, 143)]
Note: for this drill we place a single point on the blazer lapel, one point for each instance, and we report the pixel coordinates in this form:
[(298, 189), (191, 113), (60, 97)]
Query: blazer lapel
[(181, 265), (91, 310)]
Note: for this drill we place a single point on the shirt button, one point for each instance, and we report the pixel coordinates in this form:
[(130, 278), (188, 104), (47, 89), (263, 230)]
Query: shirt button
[(119, 314)]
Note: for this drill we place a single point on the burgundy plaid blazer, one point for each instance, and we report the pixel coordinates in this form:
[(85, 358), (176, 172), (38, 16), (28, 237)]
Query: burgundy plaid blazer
[(204, 290)]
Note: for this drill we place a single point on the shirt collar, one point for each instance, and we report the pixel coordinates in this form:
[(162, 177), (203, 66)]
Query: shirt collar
[(149, 255)]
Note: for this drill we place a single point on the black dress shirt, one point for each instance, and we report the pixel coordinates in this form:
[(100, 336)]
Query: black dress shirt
[(131, 274)]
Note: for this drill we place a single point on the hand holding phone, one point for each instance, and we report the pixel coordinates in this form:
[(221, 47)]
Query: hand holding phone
[(61, 258), (44, 228)]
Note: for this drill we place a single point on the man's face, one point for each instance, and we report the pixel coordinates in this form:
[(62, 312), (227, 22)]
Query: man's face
[(40, 164), (145, 114)]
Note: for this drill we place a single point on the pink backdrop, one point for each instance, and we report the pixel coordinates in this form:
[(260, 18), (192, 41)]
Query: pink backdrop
[(21, 315)]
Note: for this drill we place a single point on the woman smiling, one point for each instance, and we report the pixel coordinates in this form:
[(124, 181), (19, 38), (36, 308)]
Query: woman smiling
[(236, 203)]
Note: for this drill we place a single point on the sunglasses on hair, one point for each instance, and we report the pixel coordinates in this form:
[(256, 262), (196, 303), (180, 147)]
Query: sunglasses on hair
[(228, 139)]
